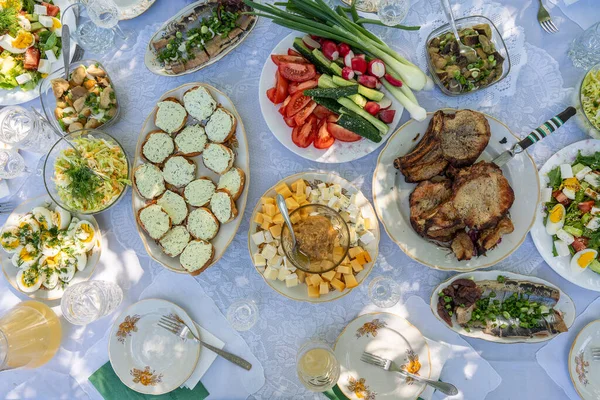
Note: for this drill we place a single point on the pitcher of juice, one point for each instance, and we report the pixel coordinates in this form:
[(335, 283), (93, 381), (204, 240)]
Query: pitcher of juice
[(30, 335)]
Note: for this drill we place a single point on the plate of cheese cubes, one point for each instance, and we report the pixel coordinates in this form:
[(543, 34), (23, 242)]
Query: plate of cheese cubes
[(264, 237), (191, 174)]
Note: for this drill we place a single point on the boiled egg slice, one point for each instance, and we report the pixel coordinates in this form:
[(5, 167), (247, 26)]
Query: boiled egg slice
[(67, 272), (56, 25), (24, 22), (9, 239), (81, 261), (29, 280), (18, 44), (51, 280), (51, 245), (85, 234), (556, 219), (44, 217), (28, 225), (582, 259), (62, 218), (26, 257)]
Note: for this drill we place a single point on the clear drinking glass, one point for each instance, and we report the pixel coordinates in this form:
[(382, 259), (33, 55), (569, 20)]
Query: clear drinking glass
[(384, 292), (105, 14), (317, 367), (585, 49), (88, 301), (92, 37), (243, 314), (20, 129), (12, 164), (392, 12)]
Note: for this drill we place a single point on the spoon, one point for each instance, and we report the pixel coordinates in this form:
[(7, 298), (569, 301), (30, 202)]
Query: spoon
[(66, 48), (297, 254), (466, 51)]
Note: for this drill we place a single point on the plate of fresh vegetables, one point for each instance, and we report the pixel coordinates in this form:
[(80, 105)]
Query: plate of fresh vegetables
[(567, 226), (30, 40)]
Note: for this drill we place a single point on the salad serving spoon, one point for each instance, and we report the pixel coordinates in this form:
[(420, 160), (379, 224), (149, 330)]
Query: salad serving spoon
[(466, 51), (298, 255)]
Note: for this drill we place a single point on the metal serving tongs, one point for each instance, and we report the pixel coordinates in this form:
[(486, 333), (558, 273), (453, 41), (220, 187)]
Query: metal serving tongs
[(535, 136)]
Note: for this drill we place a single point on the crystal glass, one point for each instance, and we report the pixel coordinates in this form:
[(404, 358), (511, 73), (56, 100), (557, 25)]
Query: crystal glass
[(12, 164), (87, 33), (30, 335), (21, 129), (243, 314), (105, 14), (585, 49), (392, 12), (384, 292), (88, 301), (317, 367)]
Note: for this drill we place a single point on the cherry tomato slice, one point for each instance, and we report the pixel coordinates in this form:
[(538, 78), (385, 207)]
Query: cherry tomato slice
[(278, 59), (300, 86), (51, 9), (290, 122), (292, 52), (297, 72), (297, 103), (281, 88), (301, 116), (580, 243), (271, 95), (321, 112), (323, 140), (586, 206), (303, 135), (342, 134)]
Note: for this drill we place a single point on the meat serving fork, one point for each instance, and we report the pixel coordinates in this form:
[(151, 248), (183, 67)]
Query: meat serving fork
[(389, 365), (180, 329)]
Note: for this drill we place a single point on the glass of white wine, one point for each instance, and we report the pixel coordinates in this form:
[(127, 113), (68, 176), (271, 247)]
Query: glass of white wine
[(317, 367)]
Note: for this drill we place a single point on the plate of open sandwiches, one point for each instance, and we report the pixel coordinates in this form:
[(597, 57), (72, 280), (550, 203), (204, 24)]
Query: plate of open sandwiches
[(191, 174), (503, 307), (443, 201), (198, 36)]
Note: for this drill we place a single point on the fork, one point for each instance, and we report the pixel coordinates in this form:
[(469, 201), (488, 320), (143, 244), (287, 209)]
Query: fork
[(389, 365), (596, 353), (545, 20), (179, 328), (5, 208)]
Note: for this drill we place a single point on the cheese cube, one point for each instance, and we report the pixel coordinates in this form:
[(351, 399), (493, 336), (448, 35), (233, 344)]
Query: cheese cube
[(368, 223), (280, 251), (324, 288), (260, 269), (321, 185), (282, 274), (344, 269), (299, 198), (326, 194), (269, 252), (354, 251), (44, 67), (287, 264), (356, 266), (40, 10), (332, 202), (291, 280), (268, 236), (299, 186), (295, 218), (562, 249), (46, 21), (258, 219), (367, 256), (258, 238), (350, 281), (566, 171), (328, 276), (360, 259), (338, 285), (267, 200), (275, 231), (305, 202), (275, 261), (316, 280), (291, 203), (345, 216), (259, 260), (50, 56), (307, 191), (270, 273), (338, 275), (270, 209), (313, 291), (23, 78), (337, 189), (265, 225), (278, 219), (314, 195), (338, 252), (285, 192), (344, 201), (367, 238), (301, 276)]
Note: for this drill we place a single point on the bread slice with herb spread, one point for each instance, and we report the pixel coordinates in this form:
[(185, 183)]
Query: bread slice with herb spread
[(199, 103), (178, 171), (198, 192), (221, 126), (157, 147), (154, 220), (202, 224), (197, 256), (174, 205), (148, 181), (191, 141), (223, 206), (175, 240), (218, 158), (170, 115), (233, 181)]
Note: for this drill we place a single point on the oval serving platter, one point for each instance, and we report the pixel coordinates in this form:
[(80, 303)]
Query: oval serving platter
[(565, 305), (391, 198), (199, 10), (10, 271), (242, 160), (129, 9)]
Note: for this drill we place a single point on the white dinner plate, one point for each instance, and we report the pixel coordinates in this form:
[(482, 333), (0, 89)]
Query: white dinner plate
[(391, 337), (391, 197), (300, 292), (585, 372), (10, 271), (561, 265), (339, 152), (564, 305), (17, 96), (129, 9), (147, 358)]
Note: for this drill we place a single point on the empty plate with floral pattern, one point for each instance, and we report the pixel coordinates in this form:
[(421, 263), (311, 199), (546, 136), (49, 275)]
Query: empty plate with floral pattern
[(584, 371), (146, 357), (388, 336)]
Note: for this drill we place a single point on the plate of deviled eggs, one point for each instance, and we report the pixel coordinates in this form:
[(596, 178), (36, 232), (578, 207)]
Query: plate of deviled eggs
[(45, 248)]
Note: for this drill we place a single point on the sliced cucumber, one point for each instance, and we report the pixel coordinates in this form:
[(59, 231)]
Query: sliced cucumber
[(32, 17), (573, 230), (36, 26), (360, 126), (337, 70), (595, 266), (371, 94), (577, 167), (332, 93), (349, 104), (326, 82), (343, 82), (358, 99), (306, 53)]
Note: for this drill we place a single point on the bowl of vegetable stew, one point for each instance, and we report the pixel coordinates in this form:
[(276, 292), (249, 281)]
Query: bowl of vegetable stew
[(453, 73)]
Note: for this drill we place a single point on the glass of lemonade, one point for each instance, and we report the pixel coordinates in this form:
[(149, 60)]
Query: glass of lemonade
[(30, 335), (318, 369)]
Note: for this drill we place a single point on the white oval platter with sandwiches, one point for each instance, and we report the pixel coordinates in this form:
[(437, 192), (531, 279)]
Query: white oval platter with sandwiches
[(266, 223), (191, 176), (496, 206)]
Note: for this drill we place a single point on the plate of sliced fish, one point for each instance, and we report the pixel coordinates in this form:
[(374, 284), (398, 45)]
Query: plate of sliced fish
[(503, 307)]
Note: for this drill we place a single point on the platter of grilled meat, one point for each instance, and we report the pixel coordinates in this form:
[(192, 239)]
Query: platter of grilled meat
[(442, 199)]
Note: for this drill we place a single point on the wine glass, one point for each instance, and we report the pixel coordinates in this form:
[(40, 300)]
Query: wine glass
[(384, 292), (12, 164), (105, 14), (88, 34)]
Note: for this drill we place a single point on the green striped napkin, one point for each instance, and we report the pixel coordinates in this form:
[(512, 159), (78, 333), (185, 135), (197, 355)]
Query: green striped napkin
[(111, 388), (336, 394)]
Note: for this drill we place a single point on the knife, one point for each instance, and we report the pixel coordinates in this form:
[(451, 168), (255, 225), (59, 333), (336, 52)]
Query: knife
[(535, 136)]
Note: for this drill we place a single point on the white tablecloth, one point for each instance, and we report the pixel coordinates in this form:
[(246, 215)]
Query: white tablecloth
[(547, 83)]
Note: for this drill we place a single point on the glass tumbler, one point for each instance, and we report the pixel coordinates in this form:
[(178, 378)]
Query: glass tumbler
[(317, 366), (21, 129), (12, 164), (585, 49), (242, 314), (88, 34), (392, 12), (384, 292), (88, 301)]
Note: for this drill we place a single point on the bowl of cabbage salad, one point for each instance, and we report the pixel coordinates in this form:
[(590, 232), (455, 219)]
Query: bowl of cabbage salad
[(589, 96)]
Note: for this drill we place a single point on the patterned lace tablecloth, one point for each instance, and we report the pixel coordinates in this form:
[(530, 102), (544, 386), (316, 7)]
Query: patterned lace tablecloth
[(544, 84)]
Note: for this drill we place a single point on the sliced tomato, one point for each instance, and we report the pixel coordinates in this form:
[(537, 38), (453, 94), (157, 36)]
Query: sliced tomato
[(290, 121), (341, 133), (561, 197), (296, 72), (586, 206), (278, 59), (292, 52), (304, 135), (303, 114), (333, 118), (323, 140), (271, 95), (281, 88), (284, 105), (322, 112), (297, 103), (51, 9), (580, 243), (32, 58), (301, 86)]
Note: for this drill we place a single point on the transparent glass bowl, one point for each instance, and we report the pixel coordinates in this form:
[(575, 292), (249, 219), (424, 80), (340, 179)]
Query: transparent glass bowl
[(56, 151), (49, 101), (343, 237), (467, 22), (592, 129)]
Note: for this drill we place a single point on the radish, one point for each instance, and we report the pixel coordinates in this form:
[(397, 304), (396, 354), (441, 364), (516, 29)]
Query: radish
[(385, 103), (378, 84), (393, 81), (377, 68), (368, 81), (310, 42), (362, 56), (359, 65), (330, 50), (372, 108), (348, 59), (347, 73), (387, 116), (344, 49)]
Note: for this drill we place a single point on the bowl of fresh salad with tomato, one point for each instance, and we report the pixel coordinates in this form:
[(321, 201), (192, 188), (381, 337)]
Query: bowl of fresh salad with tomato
[(325, 101)]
